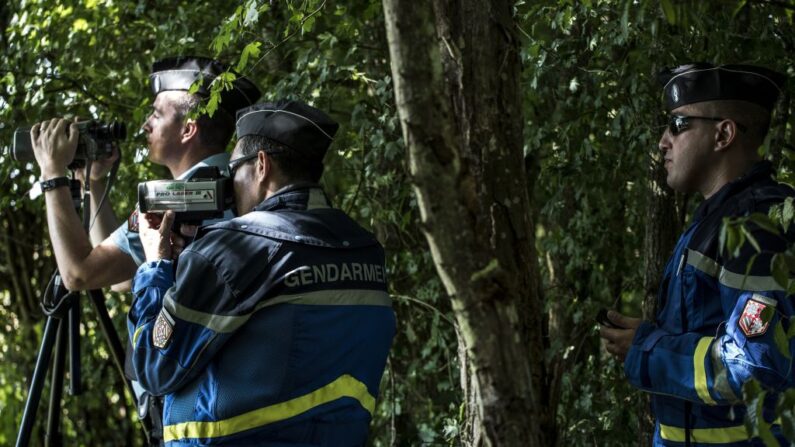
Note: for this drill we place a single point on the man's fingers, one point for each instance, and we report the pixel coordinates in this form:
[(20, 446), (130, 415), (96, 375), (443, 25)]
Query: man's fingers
[(60, 126), (623, 320), (168, 220), (152, 219), (608, 334), (74, 132)]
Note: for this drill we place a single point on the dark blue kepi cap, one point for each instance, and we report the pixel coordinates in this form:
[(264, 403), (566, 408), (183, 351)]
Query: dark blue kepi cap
[(179, 73), (294, 124), (699, 82)]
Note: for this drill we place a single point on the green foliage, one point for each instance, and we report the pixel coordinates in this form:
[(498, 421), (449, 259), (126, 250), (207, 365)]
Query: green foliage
[(591, 114)]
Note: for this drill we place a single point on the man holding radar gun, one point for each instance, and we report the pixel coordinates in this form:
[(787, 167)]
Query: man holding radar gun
[(188, 147)]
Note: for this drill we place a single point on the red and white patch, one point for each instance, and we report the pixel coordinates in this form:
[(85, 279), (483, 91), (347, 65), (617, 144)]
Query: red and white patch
[(751, 321)]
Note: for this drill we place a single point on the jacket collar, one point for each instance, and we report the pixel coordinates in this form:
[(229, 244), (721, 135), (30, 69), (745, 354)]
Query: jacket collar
[(759, 172), (298, 196)]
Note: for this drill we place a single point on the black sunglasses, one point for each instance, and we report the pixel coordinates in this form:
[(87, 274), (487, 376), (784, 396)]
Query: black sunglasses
[(680, 123), (237, 162)]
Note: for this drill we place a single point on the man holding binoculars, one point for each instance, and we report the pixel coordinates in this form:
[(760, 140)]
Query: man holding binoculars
[(180, 143)]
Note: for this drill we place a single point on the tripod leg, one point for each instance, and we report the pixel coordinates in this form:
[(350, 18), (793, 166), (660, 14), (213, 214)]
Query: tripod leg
[(53, 434), (116, 350), (75, 387), (37, 383)]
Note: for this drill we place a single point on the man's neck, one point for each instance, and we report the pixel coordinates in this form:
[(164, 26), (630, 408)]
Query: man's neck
[(189, 159), (725, 173)]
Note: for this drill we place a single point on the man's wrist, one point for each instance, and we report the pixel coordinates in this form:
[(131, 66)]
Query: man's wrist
[(53, 183), (49, 173)]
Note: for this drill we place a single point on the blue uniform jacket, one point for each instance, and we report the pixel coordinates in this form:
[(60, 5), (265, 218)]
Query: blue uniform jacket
[(710, 336), (274, 331)]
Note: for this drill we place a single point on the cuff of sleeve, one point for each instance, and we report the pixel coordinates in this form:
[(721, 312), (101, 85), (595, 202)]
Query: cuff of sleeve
[(154, 274), (633, 363)]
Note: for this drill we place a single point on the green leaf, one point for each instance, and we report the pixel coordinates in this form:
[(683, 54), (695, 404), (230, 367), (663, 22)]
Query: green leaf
[(782, 341), (212, 104), (669, 11), (251, 50), (767, 314), (308, 24), (779, 270), (195, 86), (788, 424), (740, 5), (750, 238), (252, 14), (80, 25), (787, 213), (764, 222)]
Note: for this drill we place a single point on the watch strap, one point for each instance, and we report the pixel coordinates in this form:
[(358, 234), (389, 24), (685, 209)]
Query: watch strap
[(53, 183)]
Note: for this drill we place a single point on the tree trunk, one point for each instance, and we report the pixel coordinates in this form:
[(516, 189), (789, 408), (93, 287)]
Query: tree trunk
[(456, 70), (658, 244)]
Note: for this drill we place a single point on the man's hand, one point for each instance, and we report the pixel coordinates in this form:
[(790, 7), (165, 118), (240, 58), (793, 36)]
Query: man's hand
[(618, 341), (52, 147), (155, 232), (180, 240), (99, 168)]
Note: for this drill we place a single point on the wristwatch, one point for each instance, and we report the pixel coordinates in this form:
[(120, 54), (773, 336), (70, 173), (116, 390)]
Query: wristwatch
[(53, 183)]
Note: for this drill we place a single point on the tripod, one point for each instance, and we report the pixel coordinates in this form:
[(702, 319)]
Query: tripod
[(62, 333)]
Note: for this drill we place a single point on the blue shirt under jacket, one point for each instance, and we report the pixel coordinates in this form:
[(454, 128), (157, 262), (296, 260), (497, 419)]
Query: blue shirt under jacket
[(722, 321), (274, 331)]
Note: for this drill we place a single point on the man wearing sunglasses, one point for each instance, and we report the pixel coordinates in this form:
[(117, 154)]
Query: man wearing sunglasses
[(722, 318), (275, 326)]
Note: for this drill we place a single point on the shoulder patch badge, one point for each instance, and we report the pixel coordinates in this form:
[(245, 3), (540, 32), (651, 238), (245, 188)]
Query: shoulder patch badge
[(755, 320), (164, 328)]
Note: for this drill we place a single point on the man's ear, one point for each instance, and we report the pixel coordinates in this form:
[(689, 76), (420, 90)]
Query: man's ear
[(190, 130), (264, 166), (725, 134)]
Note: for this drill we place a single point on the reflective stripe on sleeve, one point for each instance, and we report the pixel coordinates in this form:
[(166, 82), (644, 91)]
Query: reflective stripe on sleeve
[(739, 281), (749, 282), (229, 323), (723, 435), (700, 372), (344, 386), (703, 263), (136, 334)]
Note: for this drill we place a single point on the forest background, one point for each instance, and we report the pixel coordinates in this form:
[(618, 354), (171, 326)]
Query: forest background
[(496, 342)]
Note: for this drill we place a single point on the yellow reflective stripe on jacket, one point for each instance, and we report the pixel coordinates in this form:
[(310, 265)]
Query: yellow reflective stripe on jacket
[(136, 334), (344, 386), (722, 435), (700, 372)]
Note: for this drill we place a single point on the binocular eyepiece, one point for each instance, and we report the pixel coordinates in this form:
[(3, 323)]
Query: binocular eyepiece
[(95, 142)]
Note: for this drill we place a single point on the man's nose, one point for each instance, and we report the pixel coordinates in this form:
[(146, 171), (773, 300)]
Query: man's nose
[(145, 126), (665, 141)]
